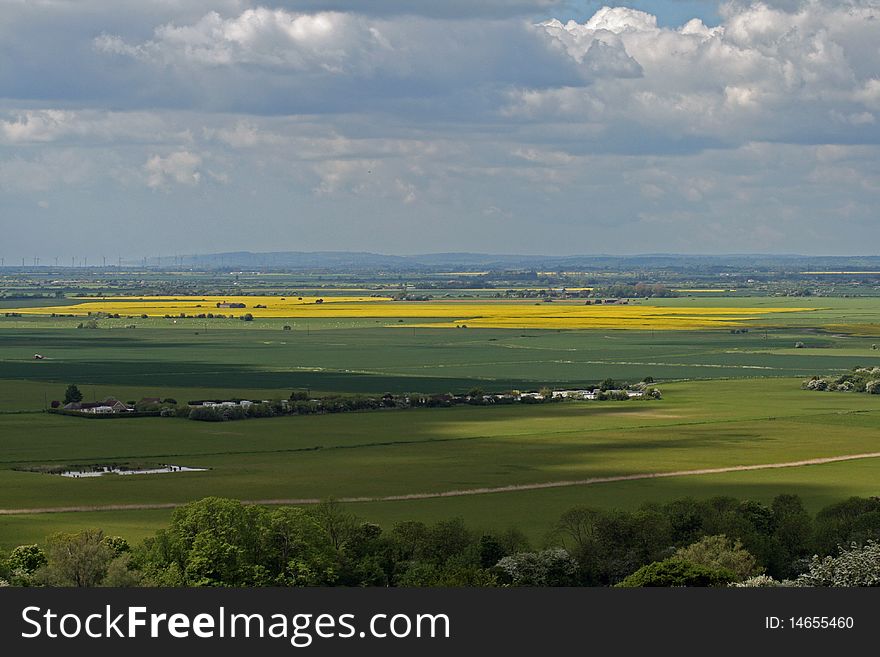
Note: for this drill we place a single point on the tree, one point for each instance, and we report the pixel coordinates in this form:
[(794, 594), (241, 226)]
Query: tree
[(720, 553), (121, 573), (856, 566), (79, 559), (792, 539), (491, 551), (211, 542), (855, 520), (685, 517), (337, 522), (215, 560), (676, 572), (205, 414), (577, 529), (118, 544), (609, 545), (553, 567), (409, 538), (26, 558), (445, 540), (72, 395)]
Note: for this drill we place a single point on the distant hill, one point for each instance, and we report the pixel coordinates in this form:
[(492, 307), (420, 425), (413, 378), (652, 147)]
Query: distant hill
[(296, 260), (476, 262)]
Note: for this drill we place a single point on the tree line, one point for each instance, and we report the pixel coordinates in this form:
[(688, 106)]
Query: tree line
[(686, 542), (302, 403)]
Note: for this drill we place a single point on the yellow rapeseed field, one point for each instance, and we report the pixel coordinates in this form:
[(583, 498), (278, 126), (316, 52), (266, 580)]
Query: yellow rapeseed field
[(441, 314)]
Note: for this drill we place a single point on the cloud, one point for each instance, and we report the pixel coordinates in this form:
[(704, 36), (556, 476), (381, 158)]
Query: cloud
[(46, 171), (302, 63), (181, 167), (330, 42), (435, 8), (54, 125), (803, 74), (764, 73), (391, 124)]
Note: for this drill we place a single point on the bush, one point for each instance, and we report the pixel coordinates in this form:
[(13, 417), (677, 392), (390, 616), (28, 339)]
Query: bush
[(759, 582), (856, 566), (859, 379), (719, 552), (677, 572), (205, 414), (553, 567), (26, 558), (815, 383)]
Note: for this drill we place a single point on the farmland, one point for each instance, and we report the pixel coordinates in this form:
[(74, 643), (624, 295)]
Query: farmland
[(444, 315), (729, 365), (697, 425)]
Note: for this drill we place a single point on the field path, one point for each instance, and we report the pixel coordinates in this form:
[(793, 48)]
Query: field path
[(468, 491)]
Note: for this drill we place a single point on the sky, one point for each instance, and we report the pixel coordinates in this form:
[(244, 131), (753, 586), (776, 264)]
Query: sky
[(159, 127)]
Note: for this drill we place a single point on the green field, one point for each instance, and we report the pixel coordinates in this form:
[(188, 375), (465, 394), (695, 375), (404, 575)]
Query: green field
[(358, 356), (728, 400), (384, 453)]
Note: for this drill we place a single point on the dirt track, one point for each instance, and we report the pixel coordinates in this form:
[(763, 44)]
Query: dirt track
[(468, 491)]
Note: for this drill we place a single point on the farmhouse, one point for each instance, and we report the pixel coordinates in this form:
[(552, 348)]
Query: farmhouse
[(244, 403), (576, 394), (227, 304), (105, 407)]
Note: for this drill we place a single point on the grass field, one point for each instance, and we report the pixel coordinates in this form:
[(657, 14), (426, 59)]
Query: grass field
[(697, 425), (533, 512), (730, 399), (366, 358)]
